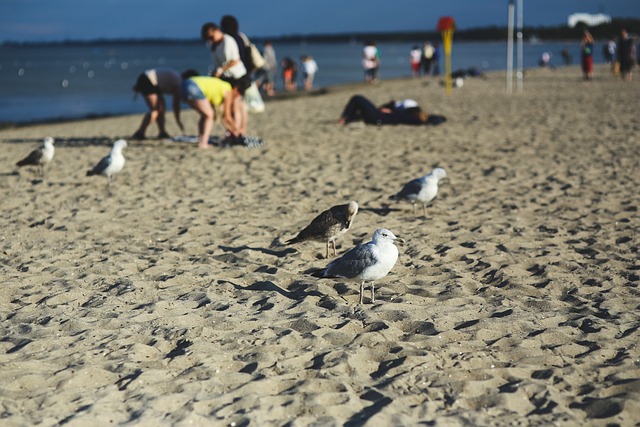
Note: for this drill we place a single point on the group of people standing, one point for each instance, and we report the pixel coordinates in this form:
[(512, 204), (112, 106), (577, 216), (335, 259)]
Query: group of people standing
[(621, 55), (290, 73), (220, 93), (237, 67), (425, 60)]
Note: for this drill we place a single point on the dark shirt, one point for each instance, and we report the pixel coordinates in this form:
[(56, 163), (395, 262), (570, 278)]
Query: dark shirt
[(245, 52)]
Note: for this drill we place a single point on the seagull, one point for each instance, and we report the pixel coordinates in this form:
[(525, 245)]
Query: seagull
[(328, 226), (367, 262), (39, 157), (111, 164), (422, 189)]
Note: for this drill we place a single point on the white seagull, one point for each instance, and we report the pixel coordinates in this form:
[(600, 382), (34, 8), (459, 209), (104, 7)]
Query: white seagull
[(328, 226), (422, 189), (111, 164), (367, 262), (39, 157)]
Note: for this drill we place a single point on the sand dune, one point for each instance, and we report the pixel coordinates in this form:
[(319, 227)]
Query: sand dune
[(169, 297)]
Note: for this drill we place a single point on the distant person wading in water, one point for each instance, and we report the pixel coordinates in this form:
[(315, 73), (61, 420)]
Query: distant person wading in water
[(370, 62)]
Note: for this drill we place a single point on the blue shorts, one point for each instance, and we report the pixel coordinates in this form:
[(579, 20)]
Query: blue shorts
[(190, 91)]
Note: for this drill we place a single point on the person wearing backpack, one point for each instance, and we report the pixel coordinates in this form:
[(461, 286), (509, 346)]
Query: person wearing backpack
[(427, 57), (229, 66), (250, 57)]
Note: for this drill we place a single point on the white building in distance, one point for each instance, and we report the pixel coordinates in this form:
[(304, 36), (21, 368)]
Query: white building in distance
[(589, 19)]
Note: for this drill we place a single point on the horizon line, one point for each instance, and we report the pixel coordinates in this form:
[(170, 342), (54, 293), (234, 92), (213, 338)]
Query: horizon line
[(300, 36)]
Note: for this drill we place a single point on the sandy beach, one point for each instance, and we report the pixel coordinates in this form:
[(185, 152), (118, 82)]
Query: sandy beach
[(169, 298)]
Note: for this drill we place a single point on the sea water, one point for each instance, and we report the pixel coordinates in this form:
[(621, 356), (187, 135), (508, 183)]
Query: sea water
[(65, 81)]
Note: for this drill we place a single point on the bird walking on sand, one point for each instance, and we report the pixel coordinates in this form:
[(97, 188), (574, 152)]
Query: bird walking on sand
[(328, 226), (39, 157), (367, 262), (423, 189), (111, 164)]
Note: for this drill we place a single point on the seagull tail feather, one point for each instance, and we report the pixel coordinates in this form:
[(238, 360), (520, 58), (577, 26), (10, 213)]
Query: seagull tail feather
[(319, 273), (296, 239)]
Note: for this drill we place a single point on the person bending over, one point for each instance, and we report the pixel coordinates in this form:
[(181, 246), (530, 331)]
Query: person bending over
[(153, 84), (406, 112), (206, 95)]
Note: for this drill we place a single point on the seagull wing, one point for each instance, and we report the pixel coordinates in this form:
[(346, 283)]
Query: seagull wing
[(320, 228), (411, 188), (102, 165), (352, 263), (340, 215), (33, 158)]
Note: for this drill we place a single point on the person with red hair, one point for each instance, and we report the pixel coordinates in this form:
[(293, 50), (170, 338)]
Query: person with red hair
[(586, 52)]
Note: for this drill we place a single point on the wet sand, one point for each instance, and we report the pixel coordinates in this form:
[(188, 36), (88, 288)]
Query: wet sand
[(169, 298)]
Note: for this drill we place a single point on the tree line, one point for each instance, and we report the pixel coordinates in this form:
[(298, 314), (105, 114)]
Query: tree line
[(490, 33)]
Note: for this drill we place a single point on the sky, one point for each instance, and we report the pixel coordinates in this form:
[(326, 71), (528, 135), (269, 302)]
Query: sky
[(55, 20)]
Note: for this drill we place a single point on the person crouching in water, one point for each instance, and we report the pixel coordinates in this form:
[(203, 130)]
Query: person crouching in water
[(210, 96)]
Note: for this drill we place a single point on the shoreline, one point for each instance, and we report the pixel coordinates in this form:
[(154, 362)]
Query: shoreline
[(514, 299), (279, 96)]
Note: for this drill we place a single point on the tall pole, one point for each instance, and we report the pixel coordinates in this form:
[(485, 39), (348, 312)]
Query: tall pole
[(446, 26), (519, 74), (447, 39), (510, 14)]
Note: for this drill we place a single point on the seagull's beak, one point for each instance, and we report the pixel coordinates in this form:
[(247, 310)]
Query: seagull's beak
[(400, 241)]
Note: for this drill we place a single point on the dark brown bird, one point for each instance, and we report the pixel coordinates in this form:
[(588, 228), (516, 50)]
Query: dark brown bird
[(328, 226), (39, 157)]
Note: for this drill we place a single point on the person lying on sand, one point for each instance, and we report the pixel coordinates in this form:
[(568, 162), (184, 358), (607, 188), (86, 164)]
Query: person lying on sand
[(406, 112)]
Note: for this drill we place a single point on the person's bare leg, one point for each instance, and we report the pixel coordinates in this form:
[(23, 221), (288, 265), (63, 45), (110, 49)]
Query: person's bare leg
[(149, 117), (205, 124), (162, 109), (240, 115)]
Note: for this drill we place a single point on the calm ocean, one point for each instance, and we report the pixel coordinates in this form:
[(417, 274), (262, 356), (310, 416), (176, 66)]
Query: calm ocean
[(65, 81)]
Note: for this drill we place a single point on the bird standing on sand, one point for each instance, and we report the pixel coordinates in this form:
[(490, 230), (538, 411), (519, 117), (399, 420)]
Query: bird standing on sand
[(422, 189), (39, 157), (111, 164), (328, 226), (367, 262)]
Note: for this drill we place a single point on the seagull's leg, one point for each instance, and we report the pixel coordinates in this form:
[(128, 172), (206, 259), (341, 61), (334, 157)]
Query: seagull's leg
[(373, 293), (333, 242), (414, 207), (362, 292), (424, 209), (327, 249)]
